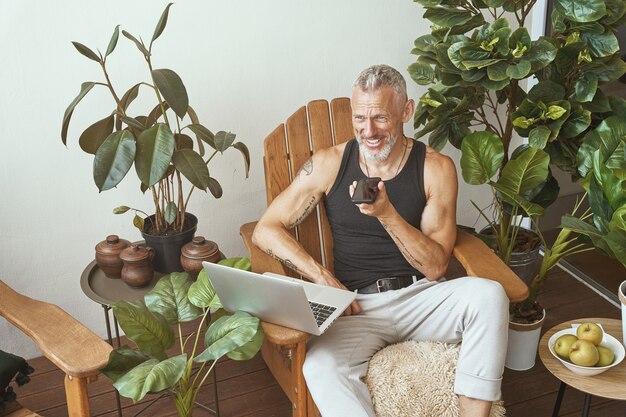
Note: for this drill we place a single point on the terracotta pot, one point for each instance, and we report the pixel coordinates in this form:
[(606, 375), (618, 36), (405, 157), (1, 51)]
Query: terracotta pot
[(197, 251), (137, 271), (108, 255)]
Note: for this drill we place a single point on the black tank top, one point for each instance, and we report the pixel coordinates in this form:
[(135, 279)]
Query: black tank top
[(363, 250)]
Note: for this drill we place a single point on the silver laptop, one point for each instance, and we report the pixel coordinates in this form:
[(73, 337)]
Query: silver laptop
[(277, 299)]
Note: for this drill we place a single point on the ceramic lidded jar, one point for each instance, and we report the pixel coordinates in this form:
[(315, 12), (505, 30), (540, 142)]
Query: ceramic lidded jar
[(108, 255), (195, 252), (137, 271)]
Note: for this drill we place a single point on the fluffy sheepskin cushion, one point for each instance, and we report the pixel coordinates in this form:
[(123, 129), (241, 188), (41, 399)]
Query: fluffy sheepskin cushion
[(413, 379)]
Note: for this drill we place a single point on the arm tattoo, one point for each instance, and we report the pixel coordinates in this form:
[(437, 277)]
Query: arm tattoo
[(306, 168), (309, 208), (403, 249), (285, 262)]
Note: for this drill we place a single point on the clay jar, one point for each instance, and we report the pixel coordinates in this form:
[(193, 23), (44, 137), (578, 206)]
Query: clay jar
[(137, 271), (195, 252), (108, 255)]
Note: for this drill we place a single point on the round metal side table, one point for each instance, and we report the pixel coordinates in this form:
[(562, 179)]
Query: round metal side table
[(106, 292)]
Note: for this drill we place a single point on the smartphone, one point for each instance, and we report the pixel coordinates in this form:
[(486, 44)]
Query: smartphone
[(366, 190)]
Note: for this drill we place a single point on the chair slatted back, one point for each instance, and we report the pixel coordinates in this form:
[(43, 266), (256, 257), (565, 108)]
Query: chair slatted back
[(317, 126)]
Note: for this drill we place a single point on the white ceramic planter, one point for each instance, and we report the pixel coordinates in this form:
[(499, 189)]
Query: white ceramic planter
[(622, 298), (523, 343)]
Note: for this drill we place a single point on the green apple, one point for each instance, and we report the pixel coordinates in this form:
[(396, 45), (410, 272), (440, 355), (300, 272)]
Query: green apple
[(584, 353), (590, 332), (563, 344), (606, 356)]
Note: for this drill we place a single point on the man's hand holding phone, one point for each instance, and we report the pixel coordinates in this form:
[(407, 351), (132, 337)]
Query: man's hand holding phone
[(366, 190)]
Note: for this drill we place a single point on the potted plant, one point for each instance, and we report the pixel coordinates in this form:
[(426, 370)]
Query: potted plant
[(157, 142), (477, 57), (151, 366), (477, 68)]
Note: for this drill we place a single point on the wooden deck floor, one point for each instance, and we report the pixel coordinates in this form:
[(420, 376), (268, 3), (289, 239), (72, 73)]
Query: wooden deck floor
[(248, 389)]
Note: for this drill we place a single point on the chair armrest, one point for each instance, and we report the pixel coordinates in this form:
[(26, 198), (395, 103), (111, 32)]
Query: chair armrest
[(66, 342), (480, 261), (261, 262)]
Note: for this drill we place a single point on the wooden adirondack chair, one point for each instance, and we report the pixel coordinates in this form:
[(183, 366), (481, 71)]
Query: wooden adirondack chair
[(72, 347), (310, 128)]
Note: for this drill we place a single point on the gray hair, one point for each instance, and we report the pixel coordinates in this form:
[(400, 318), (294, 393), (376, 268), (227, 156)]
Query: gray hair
[(378, 76)]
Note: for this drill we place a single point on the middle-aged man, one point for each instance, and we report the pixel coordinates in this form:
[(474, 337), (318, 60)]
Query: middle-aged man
[(393, 252)]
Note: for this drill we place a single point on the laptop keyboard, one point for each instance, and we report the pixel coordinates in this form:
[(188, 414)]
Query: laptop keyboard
[(321, 312)]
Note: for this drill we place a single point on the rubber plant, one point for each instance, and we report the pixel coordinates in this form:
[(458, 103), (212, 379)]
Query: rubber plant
[(154, 366), (476, 59), (156, 140)]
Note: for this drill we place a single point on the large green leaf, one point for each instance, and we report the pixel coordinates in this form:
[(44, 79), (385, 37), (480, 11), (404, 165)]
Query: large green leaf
[(601, 44), (519, 70), (577, 122), (227, 334), (148, 330), (155, 147), (541, 53), (538, 137), (581, 10), (151, 376), (606, 138), (447, 16), (586, 87), (421, 73), (203, 134), (525, 172), (91, 139), (616, 240), (215, 188), (250, 349), (162, 22), (122, 360), (615, 11), (173, 90), (113, 159), (84, 89), (607, 69), (202, 293), (497, 71), (482, 154), (169, 299), (223, 140), (531, 209), (612, 186), (192, 166), (546, 91), (618, 220)]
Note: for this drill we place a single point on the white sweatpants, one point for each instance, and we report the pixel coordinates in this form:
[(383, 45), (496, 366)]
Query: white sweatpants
[(472, 310)]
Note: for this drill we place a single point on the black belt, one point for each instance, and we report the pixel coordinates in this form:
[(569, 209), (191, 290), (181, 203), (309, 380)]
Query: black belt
[(390, 283)]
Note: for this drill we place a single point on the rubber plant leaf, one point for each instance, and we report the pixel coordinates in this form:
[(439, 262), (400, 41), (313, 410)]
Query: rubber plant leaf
[(215, 188), (91, 139), (481, 156), (113, 159), (227, 334), (162, 22), (137, 43), (113, 41), (202, 293), (84, 89), (169, 299), (241, 147), (122, 360), (150, 332), (204, 134), (223, 140), (192, 166), (171, 211), (173, 90), (85, 51), (151, 376), (155, 147)]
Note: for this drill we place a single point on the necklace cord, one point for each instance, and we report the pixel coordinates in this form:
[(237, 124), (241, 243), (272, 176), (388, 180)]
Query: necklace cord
[(399, 164)]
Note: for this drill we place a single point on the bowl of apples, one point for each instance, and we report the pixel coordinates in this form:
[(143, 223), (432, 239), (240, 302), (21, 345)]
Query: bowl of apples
[(586, 349)]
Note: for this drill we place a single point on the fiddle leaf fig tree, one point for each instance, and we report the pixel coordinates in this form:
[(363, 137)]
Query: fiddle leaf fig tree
[(157, 141), (475, 61), (148, 323)]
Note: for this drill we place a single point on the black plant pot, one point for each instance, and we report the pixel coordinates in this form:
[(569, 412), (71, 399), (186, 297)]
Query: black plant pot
[(167, 248)]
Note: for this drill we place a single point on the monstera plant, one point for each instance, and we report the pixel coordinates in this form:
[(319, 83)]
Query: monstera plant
[(477, 59), (148, 323), (156, 140)]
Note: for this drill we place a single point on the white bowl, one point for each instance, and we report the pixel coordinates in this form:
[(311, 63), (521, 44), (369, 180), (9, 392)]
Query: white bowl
[(607, 341)]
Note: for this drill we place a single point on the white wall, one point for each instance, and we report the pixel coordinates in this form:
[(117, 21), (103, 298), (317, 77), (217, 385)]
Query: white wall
[(247, 66)]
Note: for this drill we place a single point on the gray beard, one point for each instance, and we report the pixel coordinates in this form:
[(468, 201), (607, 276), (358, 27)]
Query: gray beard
[(380, 156)]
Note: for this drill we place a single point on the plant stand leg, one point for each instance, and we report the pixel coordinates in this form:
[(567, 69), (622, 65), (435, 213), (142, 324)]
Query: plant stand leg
[(559, 399), (110, 339), (587, 405)]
